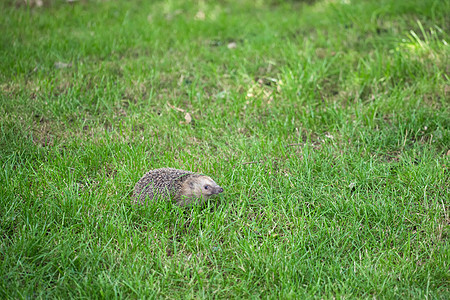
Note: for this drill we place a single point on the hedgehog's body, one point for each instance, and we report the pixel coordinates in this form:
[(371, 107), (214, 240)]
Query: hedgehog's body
[(183, 187)]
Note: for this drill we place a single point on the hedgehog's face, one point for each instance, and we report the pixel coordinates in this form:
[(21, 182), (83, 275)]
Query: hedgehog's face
[(204, 187)]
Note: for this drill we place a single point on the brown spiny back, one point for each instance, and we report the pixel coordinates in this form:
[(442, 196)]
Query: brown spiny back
[(160, 183)]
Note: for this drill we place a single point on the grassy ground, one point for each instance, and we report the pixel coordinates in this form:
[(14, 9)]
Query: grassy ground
[(327, 124)]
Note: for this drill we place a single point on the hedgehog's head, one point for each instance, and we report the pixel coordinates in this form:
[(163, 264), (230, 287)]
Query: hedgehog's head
[(198, 187)]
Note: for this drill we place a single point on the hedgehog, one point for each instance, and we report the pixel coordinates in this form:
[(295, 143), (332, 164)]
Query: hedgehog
[(184, 188)]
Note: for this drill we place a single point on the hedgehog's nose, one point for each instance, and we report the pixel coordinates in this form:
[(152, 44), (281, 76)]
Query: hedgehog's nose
[(220, 190)]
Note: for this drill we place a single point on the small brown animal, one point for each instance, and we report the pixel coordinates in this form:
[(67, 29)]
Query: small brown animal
[(182, 187)]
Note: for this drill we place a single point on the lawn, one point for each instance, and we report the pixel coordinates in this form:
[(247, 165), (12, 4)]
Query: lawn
[(326, 122)]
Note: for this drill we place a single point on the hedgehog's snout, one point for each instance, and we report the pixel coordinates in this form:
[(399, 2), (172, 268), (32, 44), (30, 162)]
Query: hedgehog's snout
[(219, 190)]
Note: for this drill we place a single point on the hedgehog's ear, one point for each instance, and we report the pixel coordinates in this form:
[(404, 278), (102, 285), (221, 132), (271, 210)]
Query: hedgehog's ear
[(191, 184)]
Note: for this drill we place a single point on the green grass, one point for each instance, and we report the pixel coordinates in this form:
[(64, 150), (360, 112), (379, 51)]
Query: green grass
[(328, 126)]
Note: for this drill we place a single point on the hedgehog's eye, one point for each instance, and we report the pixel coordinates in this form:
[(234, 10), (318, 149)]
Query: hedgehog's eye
[(206, 187)]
